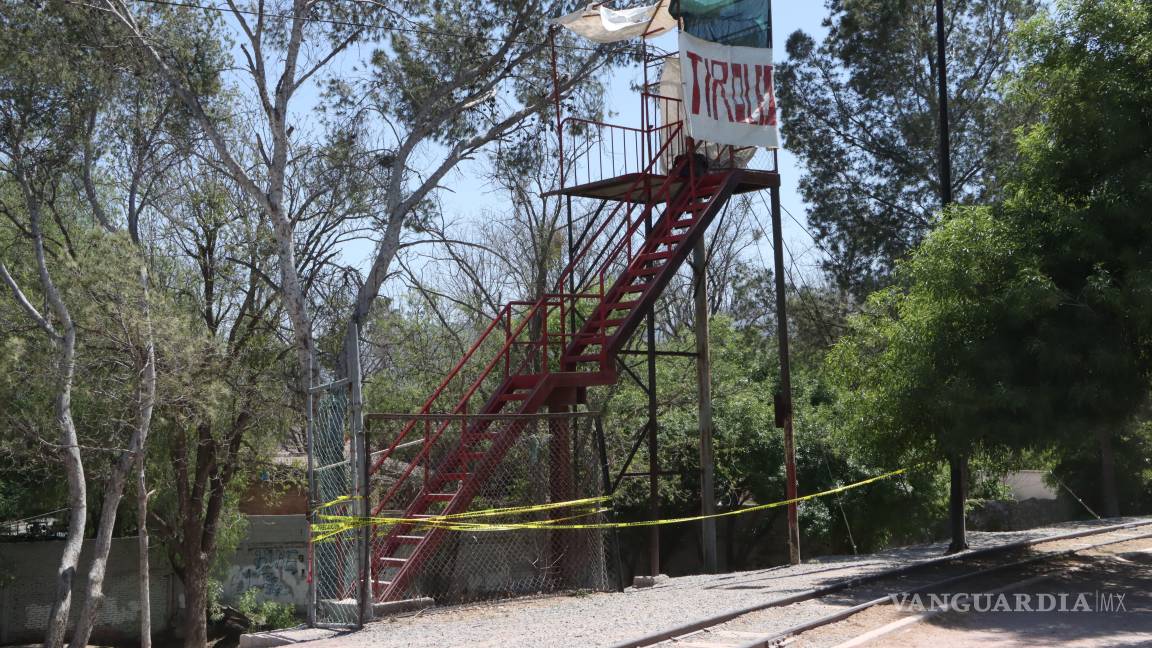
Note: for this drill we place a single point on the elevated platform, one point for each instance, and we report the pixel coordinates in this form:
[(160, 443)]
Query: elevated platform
[(636, 187)]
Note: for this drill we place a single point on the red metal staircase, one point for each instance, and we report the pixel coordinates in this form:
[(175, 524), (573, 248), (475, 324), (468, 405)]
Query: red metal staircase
[(529, 359)]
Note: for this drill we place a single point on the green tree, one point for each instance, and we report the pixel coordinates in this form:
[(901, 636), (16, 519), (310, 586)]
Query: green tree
[(1027, 325), (947, 360), (860, 111), (1082, 194), (42, 97), (750, 453)]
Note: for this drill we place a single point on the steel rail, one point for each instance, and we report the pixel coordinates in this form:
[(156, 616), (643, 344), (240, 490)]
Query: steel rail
[(855, 581), (781, 637)]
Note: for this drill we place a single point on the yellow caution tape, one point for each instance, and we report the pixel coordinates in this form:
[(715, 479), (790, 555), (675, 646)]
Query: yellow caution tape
[(334, 525), (508, 510)]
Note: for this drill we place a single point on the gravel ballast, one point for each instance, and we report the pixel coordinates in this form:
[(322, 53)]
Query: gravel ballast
[(607, 619)]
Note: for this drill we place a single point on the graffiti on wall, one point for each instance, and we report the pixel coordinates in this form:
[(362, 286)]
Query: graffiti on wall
[(279, 573)]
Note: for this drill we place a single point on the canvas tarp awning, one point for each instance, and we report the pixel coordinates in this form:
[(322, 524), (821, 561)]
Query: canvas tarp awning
[(603, 25)]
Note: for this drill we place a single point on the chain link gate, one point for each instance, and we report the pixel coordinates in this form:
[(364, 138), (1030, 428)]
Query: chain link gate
[(337, 562)]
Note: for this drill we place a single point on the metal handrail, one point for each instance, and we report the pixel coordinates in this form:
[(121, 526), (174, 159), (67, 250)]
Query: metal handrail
[(622, 216)]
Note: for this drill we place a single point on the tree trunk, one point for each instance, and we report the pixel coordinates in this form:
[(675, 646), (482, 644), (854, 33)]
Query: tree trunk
[(195, 602), (94, 591), (958, 469), (144, 426), (64, 340), (77, 497), (1108, 489), (145, 572)]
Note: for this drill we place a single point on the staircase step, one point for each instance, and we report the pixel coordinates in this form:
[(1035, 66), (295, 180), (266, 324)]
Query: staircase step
[(591, 338), (524, 381), (602, 324), (585, 358), (683, 224), (409, 539), (629, 305), (390, 559), (635, 288), (654, 256), (452, 476), (641, 272)]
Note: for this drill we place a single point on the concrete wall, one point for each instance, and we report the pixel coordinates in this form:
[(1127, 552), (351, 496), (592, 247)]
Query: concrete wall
[(28, 588), (272, 559), (1029, 484)]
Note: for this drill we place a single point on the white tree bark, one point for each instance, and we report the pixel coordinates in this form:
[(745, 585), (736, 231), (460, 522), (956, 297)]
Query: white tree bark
[(144, 425), (63, 336), (145, 570)]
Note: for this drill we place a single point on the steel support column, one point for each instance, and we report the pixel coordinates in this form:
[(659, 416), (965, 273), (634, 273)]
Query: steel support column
[(653, 448)]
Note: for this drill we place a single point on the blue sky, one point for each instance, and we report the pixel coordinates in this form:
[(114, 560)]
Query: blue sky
[(470, 195)]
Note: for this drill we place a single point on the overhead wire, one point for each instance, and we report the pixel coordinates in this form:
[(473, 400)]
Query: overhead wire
[(822, 325)]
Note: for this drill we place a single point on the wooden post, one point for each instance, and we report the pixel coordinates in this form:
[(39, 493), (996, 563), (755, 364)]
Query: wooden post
[(704, 400), (784, 398)]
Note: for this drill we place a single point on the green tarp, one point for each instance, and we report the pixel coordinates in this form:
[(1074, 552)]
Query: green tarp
[(747, 23)]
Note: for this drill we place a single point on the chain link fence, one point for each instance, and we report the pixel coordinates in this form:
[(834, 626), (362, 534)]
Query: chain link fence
[(460, 465), (474, 464)]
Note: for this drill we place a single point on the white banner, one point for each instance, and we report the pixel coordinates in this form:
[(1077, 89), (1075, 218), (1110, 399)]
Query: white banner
[(727, 91)]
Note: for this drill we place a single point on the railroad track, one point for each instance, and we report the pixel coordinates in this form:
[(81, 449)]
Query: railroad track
[(759, 626)]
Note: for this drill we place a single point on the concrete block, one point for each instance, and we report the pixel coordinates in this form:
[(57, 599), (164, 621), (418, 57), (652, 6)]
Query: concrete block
[(284, 637), (648, 581), (392, 608)]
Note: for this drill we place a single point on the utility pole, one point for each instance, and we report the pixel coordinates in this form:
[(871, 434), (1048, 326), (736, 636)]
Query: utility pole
[(956, 462), (784, 397)]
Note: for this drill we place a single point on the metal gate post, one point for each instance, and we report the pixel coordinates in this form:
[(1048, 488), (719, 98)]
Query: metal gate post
[(311, 515), (359, 474)]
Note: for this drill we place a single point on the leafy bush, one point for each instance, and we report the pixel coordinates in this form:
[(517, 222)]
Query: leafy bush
[(266, 615)]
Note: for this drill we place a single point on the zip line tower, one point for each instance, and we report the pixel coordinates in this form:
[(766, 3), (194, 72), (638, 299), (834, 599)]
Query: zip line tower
[(647, 195)]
